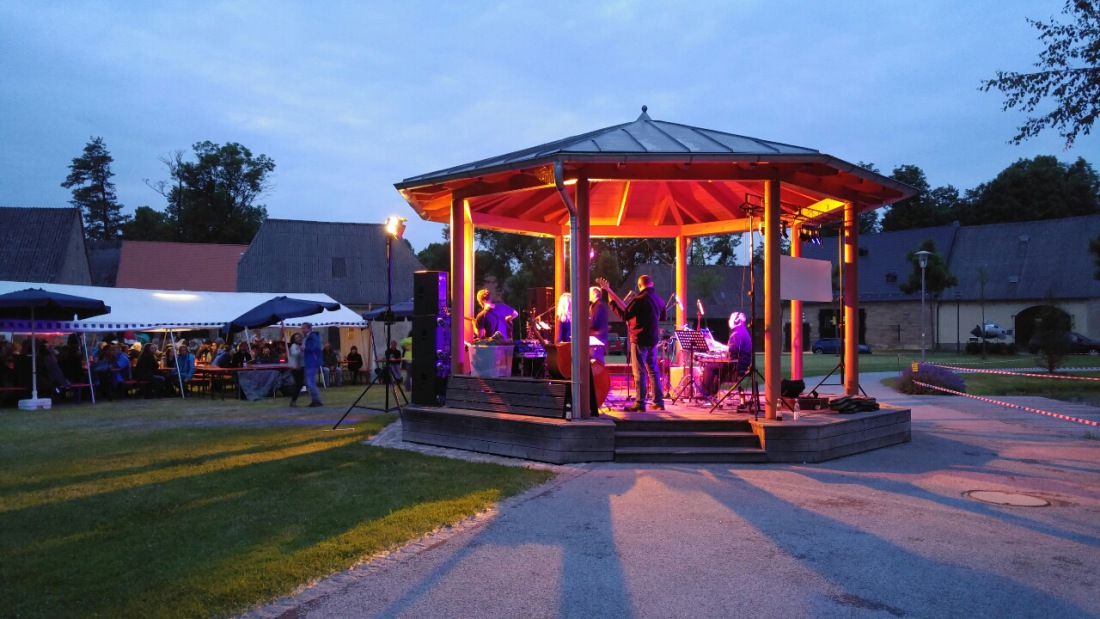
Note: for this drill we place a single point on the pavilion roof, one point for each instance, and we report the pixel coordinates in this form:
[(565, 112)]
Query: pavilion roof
[(651, 176)]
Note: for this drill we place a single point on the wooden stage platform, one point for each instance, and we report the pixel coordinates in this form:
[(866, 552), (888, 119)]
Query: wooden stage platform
[(685, 432)]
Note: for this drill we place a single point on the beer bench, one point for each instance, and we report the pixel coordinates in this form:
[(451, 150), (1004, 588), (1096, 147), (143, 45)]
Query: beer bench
[(519, 396)]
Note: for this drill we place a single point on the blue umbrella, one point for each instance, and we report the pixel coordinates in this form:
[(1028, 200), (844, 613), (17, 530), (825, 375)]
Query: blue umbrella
[(274, 311), (37, 303), (403, 309)]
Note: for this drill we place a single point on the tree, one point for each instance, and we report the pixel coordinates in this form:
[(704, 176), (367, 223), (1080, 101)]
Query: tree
[(936, 276), (929, 207), (1031, 189), (1052, 336), (148, 224), (436, 257), (213, 199), (719, 249), (1068, 73), (94, 193)]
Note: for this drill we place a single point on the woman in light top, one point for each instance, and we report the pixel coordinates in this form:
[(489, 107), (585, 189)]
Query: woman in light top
[(294, 360), (564, 317)]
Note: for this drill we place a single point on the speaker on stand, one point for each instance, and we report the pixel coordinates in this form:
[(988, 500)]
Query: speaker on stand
[(431, 338)]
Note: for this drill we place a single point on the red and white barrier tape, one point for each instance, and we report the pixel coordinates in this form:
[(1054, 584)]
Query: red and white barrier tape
[(1007, 373), (1024, 408)]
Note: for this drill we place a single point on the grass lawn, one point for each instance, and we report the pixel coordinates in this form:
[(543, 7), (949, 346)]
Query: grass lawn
[(199, 508), (1087, 392)]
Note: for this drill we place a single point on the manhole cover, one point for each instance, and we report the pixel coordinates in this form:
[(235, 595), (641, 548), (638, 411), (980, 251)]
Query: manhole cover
[(1014, 499)]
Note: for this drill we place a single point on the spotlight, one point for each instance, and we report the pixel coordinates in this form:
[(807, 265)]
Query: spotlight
[(395, 226)]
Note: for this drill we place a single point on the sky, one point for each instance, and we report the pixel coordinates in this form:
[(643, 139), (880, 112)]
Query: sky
[(351, 97)]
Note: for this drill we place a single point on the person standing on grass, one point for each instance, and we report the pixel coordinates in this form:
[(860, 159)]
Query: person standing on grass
[(294, 361), (312, 361)]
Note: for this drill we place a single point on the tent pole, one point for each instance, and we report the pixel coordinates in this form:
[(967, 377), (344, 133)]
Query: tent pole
[(175, 355), (87, 361), (34, 359)]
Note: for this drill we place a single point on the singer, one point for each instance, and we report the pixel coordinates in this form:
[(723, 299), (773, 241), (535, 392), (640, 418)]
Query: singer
[(643, 315)]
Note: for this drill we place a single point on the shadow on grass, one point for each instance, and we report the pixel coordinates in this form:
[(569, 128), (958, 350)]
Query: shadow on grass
[(221, 541)]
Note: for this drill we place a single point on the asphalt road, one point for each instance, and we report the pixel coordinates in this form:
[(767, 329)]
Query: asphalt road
[(888, 533)]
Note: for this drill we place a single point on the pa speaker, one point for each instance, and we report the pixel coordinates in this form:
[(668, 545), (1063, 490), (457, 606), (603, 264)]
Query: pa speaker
[(431, 363), (429, 293), (539, 300)]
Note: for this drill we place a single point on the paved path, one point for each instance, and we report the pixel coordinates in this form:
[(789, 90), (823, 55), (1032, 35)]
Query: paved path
[(883, 534)]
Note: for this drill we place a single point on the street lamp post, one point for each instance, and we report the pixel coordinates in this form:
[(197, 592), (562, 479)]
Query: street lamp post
[(395, 230), (958, 338), (922, 257)]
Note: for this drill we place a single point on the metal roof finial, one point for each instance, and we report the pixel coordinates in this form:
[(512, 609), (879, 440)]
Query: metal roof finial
[(645, 108)]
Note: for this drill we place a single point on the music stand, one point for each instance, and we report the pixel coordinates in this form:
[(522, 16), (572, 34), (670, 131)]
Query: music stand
[(690, 341)]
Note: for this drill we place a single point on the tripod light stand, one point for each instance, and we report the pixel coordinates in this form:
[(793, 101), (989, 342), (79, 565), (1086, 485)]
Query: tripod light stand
[(395, 229)]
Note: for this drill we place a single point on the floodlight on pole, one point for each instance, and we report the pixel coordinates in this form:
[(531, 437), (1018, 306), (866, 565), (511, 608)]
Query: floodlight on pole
[(395, 226), (922, 258)]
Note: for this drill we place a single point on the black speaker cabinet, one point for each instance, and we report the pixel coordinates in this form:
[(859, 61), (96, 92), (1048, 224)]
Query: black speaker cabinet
[(429, 293), (539, 300), (431, 364)]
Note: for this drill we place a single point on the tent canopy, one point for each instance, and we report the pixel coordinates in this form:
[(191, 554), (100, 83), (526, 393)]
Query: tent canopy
[(134, 309)]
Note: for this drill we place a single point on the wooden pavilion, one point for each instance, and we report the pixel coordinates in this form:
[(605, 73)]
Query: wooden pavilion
[(653, 179)]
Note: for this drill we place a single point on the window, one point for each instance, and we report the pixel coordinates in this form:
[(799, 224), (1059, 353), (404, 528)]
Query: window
[(339, 268)]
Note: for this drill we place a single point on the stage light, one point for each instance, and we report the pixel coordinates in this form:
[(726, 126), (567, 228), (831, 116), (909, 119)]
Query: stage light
[(395, 226)]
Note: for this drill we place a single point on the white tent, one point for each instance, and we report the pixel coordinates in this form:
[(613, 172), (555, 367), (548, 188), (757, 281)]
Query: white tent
[(134, 309)]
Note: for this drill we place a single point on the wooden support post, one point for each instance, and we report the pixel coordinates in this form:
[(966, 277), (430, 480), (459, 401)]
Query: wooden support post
[(773, 315), (579, 278), (683, 244), (462, 275), (559, 265), (796, 310), (851, 299)]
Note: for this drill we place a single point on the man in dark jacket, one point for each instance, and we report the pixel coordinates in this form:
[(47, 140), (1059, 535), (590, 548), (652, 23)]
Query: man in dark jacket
[(643, 315)]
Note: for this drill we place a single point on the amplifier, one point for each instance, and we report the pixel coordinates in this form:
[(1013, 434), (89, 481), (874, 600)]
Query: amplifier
[(529, 349)]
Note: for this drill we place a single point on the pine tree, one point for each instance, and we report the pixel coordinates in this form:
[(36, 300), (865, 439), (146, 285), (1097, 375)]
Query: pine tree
[(94, 193)]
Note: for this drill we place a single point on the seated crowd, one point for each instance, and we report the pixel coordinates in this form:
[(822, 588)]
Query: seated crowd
[(118, 368)]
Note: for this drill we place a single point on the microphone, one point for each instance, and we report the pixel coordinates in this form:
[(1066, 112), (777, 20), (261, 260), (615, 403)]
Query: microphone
[(699, 306)]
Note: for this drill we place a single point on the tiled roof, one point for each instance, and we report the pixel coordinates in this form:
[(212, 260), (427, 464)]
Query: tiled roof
[(882, 263), (43, 245), (346, 261), (1022, 260), (179, 266), (1027, 260)]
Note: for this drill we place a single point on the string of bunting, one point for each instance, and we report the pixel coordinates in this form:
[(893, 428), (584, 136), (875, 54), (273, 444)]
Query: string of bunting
[(1087, 422), (1007, 373)]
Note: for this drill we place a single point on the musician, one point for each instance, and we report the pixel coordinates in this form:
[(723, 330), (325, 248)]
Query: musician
[(493, 317), (643, 315), (563, 318), (739, 353), (598, 316)]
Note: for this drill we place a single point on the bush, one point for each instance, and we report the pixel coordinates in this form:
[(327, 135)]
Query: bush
[(991, 348), (932, 375)]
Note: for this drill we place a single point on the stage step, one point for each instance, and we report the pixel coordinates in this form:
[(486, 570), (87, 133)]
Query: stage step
[(685, 440), (690, 454)]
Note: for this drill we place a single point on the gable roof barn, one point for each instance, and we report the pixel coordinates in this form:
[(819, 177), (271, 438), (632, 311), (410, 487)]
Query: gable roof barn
[(346, 261), (43, 245), (179, 266), (1027, 260), (882, 264), (103, 257)]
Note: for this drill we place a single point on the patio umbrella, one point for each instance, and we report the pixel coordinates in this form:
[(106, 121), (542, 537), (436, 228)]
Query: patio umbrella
[(37, 303), (275, 311), (403, 309)]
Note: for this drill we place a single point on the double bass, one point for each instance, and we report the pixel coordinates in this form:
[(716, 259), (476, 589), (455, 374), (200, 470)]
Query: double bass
[(559, 361)]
